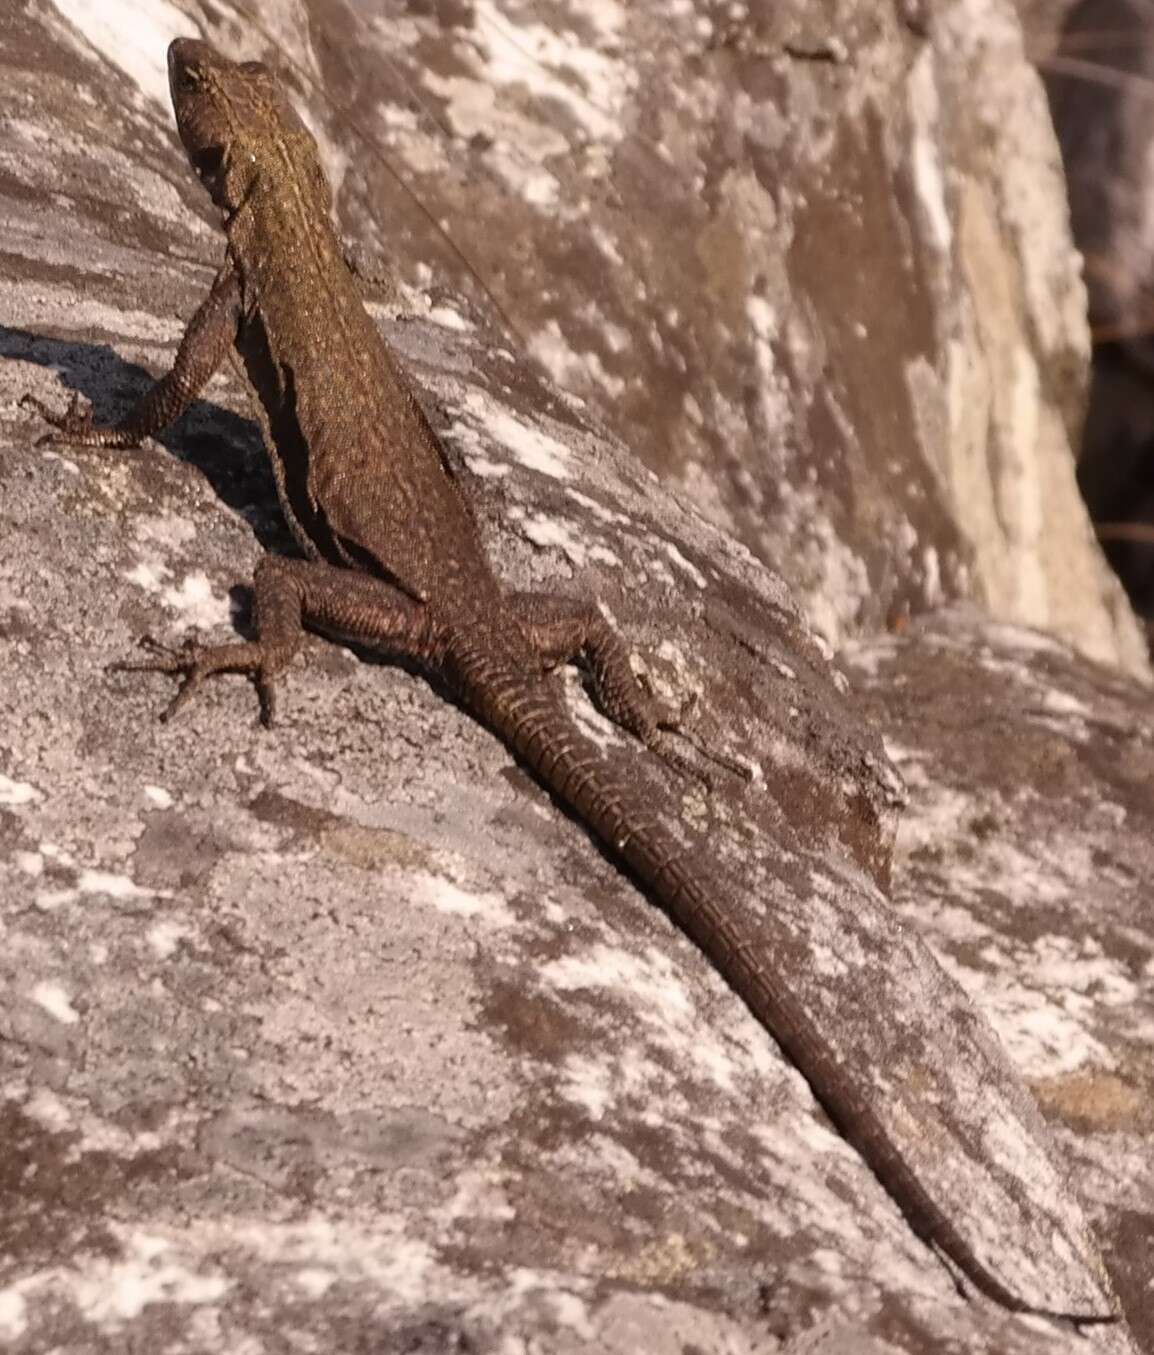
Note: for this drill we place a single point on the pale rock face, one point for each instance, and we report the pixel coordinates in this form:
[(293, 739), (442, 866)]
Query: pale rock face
[(834, 300)]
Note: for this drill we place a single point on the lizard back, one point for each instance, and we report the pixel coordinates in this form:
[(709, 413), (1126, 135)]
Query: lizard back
[(360, 472)]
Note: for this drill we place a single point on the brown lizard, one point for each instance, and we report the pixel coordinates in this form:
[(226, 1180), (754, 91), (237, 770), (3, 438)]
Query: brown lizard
[(393, 556)]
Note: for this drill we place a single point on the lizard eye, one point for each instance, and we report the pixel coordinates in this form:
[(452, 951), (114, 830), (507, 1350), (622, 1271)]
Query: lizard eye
[(187, 80)]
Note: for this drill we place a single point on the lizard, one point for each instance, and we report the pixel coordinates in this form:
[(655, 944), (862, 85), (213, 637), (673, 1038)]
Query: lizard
[(393, 558)]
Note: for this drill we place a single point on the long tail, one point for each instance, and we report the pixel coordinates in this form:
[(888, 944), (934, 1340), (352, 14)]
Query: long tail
[(528, 715)]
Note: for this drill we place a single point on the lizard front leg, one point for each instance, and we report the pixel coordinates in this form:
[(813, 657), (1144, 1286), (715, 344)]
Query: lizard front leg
[(209, 335), (287, 595)]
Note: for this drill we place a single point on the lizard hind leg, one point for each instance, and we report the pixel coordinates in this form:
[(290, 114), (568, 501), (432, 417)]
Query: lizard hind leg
[(559, 629), (278, 608), (288, 595)]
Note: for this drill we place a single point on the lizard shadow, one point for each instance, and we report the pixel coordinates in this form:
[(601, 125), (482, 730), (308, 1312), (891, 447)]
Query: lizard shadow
[(225, 447)]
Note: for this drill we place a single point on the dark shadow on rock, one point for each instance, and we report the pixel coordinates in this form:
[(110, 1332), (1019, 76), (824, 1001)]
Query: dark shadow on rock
[(1098, 83), (225, 447)]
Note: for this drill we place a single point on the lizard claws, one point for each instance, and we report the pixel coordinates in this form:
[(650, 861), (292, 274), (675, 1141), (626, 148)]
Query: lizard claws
[(166, 659), (196, 663), (73, 425), (680, 722)]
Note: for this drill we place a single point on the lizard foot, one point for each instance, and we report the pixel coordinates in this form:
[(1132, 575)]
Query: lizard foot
[(197, 662), (74, 425), (680, 722)]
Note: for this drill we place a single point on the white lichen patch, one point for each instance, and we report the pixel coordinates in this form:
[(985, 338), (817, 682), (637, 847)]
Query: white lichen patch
[(788, 1146), (48, 1111), (905, 757), (314, 1282), (573, 368), (164, 937), (1041, 996), (151, 575), (519, 145), (549, 532), (929, 180), (59, 307), (841, 579), (532, 447), (393, 1262), (110, 1293), (64, 462), (93, 1134), (521, 76), (165, 529), (447, 897), (118, 887), (684, 565), (17, 792), (195, 598), (1041, 1036), (647, 977), (53, 997), (31, 863), (594, 724), (537, 58), (449, 318), (13, 1314), (618, 1163), (591, 1084), (49, 899), (870, 657), (932, 589), (1057, 702), (937, 816), (653, 987), (1022, 639), (482, 466), (764, 321), (480, 1194), (607, 515)]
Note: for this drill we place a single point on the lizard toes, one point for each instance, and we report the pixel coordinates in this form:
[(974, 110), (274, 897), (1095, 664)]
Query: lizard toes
[(163, 658), (180, 700), (73, 425), (266, 691)]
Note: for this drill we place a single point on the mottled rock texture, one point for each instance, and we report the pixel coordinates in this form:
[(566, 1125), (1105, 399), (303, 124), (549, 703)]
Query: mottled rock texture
[(1026, 856), (811, 262), (342, 1037)]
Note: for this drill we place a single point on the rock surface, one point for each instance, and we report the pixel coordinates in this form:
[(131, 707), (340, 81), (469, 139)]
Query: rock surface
[(1025, 857), (812, 263), (342, 1037)]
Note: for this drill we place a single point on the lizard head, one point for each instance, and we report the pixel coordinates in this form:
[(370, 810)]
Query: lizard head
[(237, 124)]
